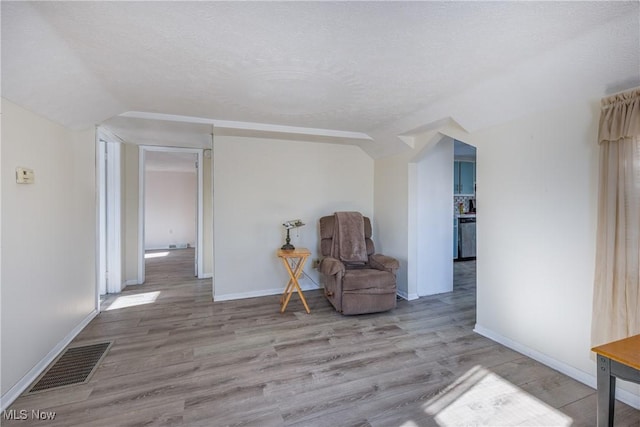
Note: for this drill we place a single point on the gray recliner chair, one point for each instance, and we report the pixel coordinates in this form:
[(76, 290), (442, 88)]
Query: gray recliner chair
[(356, 280)]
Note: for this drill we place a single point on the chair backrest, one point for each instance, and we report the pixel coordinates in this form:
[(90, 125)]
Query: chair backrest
[(327, 224)]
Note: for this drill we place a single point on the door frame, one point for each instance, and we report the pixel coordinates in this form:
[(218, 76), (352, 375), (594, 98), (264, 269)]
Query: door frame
[(142, 150), (109, 221)]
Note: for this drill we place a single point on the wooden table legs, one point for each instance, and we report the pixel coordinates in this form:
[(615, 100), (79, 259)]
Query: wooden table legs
[(294, 268)]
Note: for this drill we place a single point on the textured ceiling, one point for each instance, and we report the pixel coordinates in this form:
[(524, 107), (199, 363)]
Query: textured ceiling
[(344, 72)]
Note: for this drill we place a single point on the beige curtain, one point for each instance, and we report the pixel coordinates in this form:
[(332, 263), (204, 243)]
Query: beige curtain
[(616, 296)]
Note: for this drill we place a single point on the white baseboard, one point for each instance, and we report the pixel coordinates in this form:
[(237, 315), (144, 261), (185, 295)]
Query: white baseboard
[(407, 296), (625, 396), (261, 293), (14, 392), (136, 282), (170, 247)]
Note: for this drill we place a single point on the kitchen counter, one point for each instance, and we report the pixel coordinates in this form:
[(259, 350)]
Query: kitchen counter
[(466, 215)]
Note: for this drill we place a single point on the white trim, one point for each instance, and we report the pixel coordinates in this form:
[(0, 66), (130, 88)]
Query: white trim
[(261, 293), (114, 218), (141, 186), (212, 219), (131, 282), (412, 228), (14, 392), (263, 127), (200, 219), (169, 248), (101, 220), (406, 296), (199, 152), (107, 135), (108, 214), (578, 375)]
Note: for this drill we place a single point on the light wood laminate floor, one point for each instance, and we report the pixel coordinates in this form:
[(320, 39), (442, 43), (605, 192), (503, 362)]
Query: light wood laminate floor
[(179, 359)]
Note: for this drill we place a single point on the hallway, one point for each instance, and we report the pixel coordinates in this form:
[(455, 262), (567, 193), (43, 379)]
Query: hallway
[(173, 264)]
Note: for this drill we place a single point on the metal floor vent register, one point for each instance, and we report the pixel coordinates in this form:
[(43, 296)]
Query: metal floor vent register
[(75, 366)]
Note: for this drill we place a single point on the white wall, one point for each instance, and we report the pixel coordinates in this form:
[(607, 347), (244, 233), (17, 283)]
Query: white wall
[(434, 262), (48, 240), (399, 197), (536, 204), (537, 194), (171, 199), (391, 184), (259, 184)]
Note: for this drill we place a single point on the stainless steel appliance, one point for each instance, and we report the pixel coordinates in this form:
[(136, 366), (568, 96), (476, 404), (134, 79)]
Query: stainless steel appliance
[(467, 236)]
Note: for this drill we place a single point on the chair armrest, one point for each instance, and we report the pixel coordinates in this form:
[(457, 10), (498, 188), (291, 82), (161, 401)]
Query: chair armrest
[(331, 266), (383, 262)]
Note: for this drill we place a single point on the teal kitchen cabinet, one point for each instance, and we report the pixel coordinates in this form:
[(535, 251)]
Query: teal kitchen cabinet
[(464, 177)]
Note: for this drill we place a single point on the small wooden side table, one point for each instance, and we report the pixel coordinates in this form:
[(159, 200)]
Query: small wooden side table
[(293, 261), (618, 359)]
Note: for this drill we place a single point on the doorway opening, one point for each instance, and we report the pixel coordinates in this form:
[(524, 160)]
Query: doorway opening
[(170, 213), (437, 200), (464, 201)]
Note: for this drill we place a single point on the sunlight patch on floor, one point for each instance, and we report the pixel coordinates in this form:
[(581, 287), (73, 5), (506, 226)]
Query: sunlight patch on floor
[(133, 300), (155, 255), (481, 397)]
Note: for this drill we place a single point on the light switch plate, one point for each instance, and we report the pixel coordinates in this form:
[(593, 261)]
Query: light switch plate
[(24, 176)]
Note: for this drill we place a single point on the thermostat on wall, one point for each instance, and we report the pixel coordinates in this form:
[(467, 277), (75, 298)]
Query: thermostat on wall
[(24, 176)]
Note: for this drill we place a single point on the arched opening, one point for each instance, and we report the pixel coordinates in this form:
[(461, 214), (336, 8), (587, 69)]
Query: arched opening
[(438, 200)]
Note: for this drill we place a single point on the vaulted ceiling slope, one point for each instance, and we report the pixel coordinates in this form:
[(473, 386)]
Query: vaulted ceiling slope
[(347, 72)]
